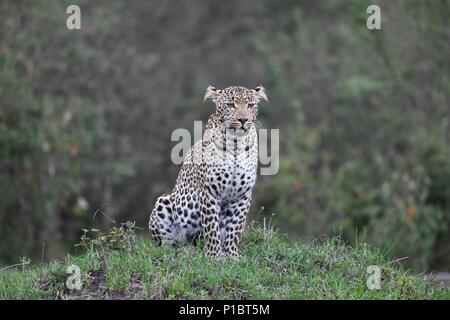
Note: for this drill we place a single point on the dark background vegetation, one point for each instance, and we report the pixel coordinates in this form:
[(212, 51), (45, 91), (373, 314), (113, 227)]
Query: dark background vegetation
[(86, 116)]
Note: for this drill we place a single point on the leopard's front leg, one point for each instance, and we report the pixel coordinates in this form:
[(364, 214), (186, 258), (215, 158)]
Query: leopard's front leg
[(210, 223), (233, 223)]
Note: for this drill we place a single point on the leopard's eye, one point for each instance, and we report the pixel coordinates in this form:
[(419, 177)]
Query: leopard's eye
[(230, 104), (250, 105)]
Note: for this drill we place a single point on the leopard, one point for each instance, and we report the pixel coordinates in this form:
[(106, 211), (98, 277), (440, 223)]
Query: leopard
[(213, 191)]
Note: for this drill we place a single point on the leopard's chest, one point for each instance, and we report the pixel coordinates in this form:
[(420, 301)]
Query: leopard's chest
[(229, 183), (231, 178)]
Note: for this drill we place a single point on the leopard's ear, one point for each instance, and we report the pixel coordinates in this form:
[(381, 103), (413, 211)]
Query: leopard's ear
[(212, 93), (260, 93)]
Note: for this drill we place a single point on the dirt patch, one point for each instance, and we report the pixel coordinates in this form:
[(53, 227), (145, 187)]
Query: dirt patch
[(441, 278), (94, 288)]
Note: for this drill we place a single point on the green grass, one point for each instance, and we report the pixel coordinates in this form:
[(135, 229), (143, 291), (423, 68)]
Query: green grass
[(270, 268)]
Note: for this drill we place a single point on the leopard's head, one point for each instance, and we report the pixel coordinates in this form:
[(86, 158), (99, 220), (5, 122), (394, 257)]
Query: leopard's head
[(236, 107)]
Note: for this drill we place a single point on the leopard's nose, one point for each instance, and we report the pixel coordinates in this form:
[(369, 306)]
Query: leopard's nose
[(242, 121)]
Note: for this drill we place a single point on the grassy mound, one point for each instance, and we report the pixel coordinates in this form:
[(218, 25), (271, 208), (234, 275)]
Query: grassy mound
[(123, 265)]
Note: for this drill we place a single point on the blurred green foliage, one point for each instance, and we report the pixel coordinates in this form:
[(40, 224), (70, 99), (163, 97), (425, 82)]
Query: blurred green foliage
[(86, 116)]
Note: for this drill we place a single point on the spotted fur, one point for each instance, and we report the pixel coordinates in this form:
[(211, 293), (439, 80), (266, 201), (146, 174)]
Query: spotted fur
[(213, 191)]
